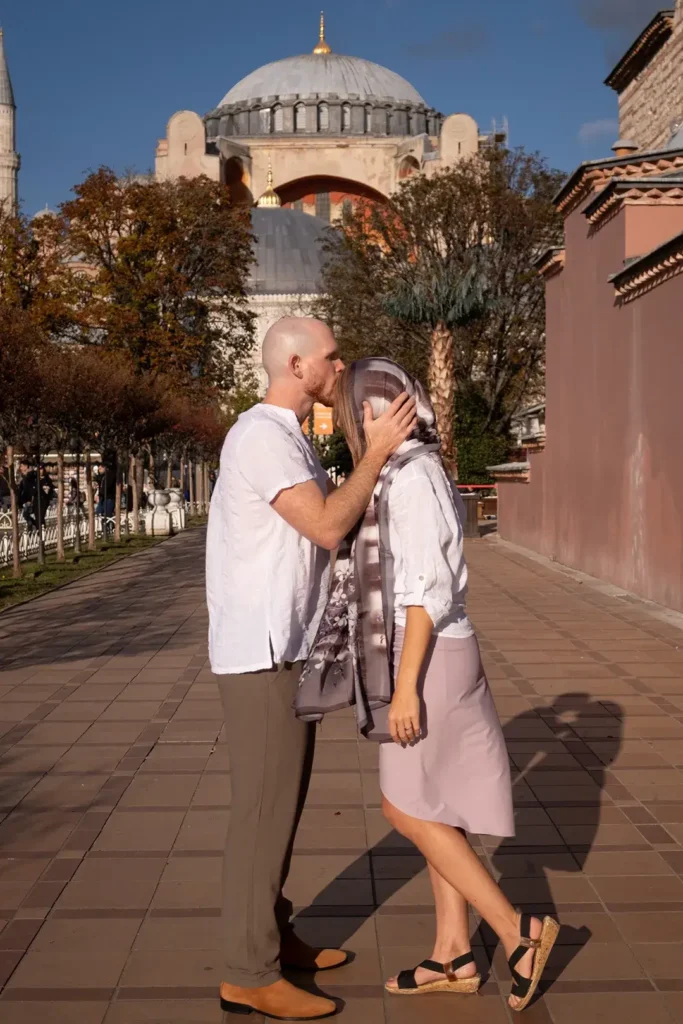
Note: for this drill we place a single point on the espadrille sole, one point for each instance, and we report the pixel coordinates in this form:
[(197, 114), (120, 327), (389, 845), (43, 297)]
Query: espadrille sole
[(551, 930), (461, 987)]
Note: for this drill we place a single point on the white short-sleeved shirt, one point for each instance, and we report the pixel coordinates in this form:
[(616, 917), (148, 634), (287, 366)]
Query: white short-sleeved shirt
[(266, 584), (426, 539)]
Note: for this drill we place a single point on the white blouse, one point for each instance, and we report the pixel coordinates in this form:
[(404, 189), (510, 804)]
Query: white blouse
[(426, 539)]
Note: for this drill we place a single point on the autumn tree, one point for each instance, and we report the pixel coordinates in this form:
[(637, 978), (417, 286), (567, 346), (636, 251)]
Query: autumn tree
[(21, 345), (442, 279), (162, 272)]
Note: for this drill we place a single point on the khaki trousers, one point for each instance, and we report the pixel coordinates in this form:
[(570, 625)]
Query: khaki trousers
[(271, 755)]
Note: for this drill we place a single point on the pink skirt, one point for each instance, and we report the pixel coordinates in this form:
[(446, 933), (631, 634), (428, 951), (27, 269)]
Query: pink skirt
[(458, 772)]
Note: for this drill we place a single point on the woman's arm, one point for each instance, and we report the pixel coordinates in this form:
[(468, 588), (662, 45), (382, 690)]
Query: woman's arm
[(404, 713)]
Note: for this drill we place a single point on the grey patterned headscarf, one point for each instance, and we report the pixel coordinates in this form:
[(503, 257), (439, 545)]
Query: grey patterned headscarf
[(351, 661)]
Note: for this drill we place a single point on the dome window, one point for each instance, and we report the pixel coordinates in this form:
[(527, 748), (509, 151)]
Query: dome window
[(300, 118), (368, 119), (265, 121), (278, 119), (346, 117), (323, 117)]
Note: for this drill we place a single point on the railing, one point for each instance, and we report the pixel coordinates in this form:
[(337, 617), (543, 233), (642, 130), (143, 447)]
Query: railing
[(28, 538)]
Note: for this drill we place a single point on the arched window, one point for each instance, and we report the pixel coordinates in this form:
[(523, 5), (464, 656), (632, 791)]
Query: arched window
[(265, 121), (300, 118), (323, 117), (390, 121), (323, 206), (278, 119), (347, 209), (368, 118), (346, 117)]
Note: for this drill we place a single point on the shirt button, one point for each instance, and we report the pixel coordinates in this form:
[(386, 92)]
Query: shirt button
[(421, 578)]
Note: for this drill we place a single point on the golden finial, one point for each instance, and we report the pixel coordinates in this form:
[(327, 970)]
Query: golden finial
[(270, 196), (322, 46)]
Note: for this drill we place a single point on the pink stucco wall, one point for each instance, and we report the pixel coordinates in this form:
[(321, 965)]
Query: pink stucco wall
[(606, 495)]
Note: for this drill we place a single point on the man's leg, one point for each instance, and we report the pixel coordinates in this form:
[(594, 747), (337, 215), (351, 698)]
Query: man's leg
[(267, 746)]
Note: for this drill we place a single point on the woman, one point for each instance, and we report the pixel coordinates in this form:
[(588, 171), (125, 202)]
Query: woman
[(447, 772)]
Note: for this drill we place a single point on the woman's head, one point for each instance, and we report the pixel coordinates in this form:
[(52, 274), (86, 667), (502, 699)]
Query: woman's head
[(378, 382)]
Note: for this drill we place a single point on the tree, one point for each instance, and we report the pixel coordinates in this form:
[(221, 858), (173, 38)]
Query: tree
[(442, 278), (21, 344), (162, 272)]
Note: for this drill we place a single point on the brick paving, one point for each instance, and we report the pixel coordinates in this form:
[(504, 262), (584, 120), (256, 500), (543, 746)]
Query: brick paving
[(114, 795)]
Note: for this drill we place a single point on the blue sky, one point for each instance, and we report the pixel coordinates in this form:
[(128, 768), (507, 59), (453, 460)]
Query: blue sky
[(96, 82)]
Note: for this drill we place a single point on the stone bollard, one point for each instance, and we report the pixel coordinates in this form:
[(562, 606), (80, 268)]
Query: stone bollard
[(470, 527), (158, 521)]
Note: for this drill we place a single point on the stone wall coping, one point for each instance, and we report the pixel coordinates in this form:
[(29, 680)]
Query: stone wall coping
[(641, 52), (650, 270), (592, 173)]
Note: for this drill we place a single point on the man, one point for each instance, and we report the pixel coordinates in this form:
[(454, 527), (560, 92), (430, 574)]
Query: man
[(28, 494), (274, 519)]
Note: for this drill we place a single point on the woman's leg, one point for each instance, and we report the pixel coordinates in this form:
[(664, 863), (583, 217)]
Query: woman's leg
[(452, 931), (449, 852)]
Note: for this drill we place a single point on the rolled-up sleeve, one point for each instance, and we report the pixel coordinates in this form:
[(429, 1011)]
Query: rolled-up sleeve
[(424, 536), (271, 461)]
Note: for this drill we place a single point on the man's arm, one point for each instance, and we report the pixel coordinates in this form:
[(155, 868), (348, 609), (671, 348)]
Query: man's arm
[(325, 520)]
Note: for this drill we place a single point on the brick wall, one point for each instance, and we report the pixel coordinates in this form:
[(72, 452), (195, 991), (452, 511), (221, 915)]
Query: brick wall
[(655, 98)]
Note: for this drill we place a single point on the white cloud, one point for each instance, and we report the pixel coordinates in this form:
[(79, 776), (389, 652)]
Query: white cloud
[(595, 131)]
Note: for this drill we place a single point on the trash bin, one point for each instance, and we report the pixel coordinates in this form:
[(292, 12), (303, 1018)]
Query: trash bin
[(471, 525)]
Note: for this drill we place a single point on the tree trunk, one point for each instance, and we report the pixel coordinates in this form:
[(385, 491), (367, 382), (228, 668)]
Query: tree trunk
[(169, 471), (40, 509), (14, 506), (91, 502), (77, 534), (182, 475), (60, 506), (190, 476), (152, 478), (117, 503), (442, 391), (134, 493), (199, 483), (205, 482)]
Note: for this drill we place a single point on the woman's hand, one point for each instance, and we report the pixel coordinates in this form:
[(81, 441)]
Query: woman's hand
[(404, 716)]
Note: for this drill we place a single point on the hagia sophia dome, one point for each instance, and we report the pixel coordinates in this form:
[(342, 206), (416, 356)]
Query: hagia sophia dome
[(323, 74)]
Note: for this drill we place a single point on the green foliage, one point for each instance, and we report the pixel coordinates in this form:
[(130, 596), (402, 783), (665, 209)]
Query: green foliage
[(479, 445), (333, 453)]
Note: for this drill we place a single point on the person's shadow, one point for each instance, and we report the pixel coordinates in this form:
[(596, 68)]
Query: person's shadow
[(554, 833)]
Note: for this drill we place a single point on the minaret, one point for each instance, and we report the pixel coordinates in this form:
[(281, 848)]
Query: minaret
[(9, 158), (322, 48)]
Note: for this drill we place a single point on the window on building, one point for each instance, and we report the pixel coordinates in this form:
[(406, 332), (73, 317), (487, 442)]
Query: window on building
[(298, 204), (347, 209), (265, 121), (322, 206), (278, 119), (323, 117), (300, 118), (346, 117), (368, 119), (390, 122)]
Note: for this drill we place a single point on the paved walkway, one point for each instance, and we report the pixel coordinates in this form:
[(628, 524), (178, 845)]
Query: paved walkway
[(114, 796)]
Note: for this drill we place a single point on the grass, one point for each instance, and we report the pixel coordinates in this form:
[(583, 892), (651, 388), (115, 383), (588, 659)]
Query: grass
[(39, 579)]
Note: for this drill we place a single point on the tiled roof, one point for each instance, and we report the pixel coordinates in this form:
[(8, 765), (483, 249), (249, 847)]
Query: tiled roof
[(639, 55)]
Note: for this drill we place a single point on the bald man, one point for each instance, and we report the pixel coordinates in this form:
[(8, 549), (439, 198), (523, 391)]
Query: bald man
[(275, 517)]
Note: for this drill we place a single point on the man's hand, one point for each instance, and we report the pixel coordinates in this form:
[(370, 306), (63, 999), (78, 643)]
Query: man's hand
[(388, 432)]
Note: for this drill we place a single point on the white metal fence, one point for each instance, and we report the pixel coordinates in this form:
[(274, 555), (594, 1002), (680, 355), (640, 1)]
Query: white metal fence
[(28, 538)]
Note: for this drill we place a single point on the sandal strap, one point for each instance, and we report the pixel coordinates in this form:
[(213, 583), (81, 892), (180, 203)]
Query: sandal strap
[(407, 979), (522, 985)]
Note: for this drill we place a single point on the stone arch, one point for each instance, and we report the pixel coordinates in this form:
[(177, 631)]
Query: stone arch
[(302, 192), (233, 176), (408, 167)]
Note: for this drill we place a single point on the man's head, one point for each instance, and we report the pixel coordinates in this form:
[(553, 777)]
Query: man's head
[(24, 466), (301, 353)]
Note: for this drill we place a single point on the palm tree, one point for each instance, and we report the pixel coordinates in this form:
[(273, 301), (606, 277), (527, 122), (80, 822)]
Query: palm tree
[(444, 295)]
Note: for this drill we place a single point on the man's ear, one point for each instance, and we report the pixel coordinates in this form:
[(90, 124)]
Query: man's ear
[(294, 364)]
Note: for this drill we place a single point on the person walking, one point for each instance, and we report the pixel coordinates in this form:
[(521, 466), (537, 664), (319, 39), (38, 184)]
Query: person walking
[(274, 519), (28, 493), (402, 634)]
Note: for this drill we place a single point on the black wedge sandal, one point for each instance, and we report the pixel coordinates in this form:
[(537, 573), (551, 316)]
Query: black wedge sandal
[(408, 986), (524, 988)]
